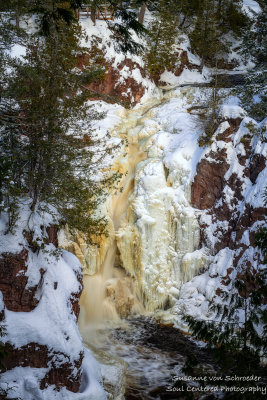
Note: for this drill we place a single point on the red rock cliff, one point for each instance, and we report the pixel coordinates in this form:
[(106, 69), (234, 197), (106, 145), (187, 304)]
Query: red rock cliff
[(28, 300)]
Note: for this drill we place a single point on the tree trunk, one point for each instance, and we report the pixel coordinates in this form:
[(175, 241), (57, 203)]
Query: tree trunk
[(93, 13), (183, 22), (17, 17), (202, 65), (142, 13)]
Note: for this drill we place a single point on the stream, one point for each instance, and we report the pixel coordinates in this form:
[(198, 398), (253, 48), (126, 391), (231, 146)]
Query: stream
[(143, 357)]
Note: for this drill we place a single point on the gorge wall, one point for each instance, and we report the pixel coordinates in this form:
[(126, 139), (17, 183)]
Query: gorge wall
[(228, 192)]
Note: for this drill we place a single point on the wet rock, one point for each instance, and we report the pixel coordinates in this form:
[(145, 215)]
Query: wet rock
[(121, 293), (113, 374)]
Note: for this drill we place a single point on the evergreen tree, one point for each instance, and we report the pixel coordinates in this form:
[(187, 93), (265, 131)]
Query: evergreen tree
[(254, 95), (206, 22), (238, 341), (162, 38), (212, 120), (126, 22), (46, 159), (205, 38), (214, 19)]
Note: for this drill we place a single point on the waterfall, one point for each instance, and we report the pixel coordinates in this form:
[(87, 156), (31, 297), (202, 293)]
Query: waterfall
[(110, 292), (153, 239)]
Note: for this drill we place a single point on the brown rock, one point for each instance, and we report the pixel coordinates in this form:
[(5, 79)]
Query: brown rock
[(208, 183), (52, 232), (129, 91), (227, 134), (207, 192), (257, 164), (13, 280), (61, 374), (13, 283), (182, 56), (74, 299)]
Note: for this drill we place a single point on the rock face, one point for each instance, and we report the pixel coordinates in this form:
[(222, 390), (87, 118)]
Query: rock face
[(115, 89), (34, 294), (37, 356), (183, 63), (13, 282), (219, 185), (227, 192), (210, 179), (124, 82)]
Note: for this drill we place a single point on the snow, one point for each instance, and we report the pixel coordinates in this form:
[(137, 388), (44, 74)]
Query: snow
[(193, 58), (196, 294), (111, 117), (251, 7), (2, 304), (15, 242), (167, 226), (25, 382), (161, 223), (91, 380), (231, 112), (18, 51), (100, 36), (186, 77), (51, 323)]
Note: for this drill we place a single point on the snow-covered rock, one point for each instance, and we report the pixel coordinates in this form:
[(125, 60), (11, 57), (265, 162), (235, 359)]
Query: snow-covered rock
[(228, 189), (40, 290)]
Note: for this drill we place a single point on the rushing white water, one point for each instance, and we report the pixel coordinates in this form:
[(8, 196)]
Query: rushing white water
[(127, 364)]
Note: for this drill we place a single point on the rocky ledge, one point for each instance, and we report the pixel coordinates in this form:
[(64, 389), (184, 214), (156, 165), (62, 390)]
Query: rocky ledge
[(40, 294)]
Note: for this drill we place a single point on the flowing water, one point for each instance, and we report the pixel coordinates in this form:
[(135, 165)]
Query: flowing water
[(138, 357), (141, 369), (109, 293), (129, 275), (149, 356)]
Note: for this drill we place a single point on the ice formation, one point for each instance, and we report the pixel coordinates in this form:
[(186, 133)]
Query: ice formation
[(153, 242)]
